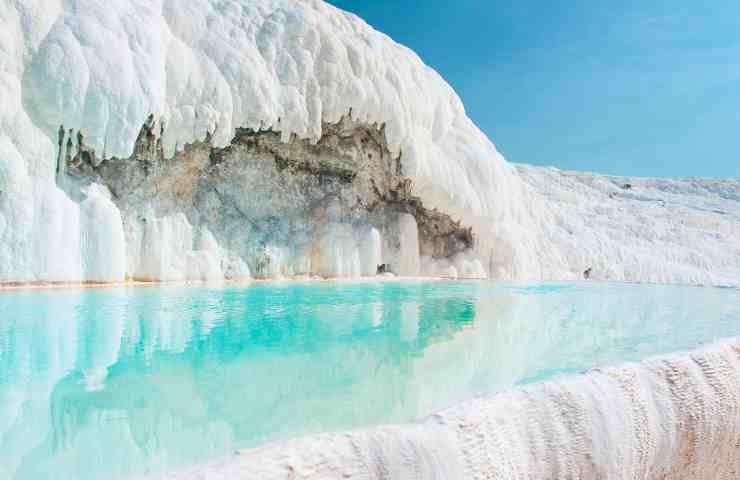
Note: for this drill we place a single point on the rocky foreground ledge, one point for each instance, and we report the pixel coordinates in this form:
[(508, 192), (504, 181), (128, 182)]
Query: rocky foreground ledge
[(673, 417)]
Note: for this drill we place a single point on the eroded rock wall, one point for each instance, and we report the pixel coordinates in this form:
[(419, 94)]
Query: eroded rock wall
[(338, 207)]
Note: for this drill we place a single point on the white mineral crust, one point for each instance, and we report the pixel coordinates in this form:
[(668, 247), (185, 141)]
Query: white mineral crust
[(103, 67)]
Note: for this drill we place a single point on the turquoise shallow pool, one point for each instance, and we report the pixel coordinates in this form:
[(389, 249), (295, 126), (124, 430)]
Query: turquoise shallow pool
[(120, 383)]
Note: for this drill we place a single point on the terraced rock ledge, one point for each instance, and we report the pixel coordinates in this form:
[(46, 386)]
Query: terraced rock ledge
[(672, 417)]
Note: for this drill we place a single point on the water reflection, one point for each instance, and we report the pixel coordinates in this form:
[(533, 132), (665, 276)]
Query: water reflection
[(124, 382)]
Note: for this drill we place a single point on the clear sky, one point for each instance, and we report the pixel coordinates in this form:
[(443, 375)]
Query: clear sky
[(629, 87)]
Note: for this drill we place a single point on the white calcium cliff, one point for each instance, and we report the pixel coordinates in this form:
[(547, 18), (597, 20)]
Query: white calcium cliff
[(205, 69), (671, 417)]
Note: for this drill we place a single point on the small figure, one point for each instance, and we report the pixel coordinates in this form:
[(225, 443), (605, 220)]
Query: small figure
[(587, 273), (60, 158), (68, 151)]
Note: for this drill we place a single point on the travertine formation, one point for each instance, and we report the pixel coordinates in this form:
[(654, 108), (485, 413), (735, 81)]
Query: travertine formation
[(340, 206), (675, 417), (226, 79), (656, 230), (285, 137)]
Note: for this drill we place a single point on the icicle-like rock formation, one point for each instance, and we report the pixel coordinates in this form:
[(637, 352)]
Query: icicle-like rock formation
[(207, 69), (79, 78), (671, 417), (339, 207)]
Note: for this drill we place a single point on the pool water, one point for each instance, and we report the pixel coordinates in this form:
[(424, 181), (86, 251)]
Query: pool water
[(129, 382)]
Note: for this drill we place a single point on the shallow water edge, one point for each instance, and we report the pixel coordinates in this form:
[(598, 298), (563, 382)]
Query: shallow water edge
[(674, 416), (11, 286)]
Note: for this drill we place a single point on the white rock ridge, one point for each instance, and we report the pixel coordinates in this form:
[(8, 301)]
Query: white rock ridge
[(681, 231), (671, 417), (204, 66)]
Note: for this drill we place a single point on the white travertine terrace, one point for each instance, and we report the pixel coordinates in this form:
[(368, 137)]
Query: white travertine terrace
[(680, 231), (293, 65), (670, 417), (102, 67)]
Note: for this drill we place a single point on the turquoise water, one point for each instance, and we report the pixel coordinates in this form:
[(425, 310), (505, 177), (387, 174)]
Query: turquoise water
[(115, 383)]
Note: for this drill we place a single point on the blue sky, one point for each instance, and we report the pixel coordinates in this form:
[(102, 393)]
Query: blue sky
[(634, 87)]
